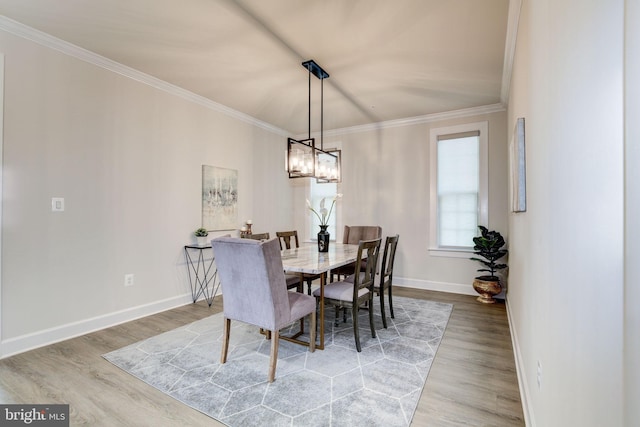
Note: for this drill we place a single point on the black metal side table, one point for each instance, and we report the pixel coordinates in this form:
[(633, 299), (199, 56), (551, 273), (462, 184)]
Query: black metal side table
[(201, 277)]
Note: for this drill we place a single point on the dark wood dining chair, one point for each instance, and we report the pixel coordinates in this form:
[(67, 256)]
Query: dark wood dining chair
[(386, 276), (288, 238), (354, 294), (352, 235), (252, 279), (258, 236)]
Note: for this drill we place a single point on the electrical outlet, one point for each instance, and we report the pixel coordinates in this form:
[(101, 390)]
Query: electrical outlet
[(128, 279), (539, 375)]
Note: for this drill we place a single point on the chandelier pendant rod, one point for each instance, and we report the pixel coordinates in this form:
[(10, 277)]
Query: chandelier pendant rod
[(321, 114), (309, 119)]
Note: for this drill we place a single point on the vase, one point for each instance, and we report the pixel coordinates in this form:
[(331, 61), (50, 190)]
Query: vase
[(487, 289), (323, 239), (202, 240)]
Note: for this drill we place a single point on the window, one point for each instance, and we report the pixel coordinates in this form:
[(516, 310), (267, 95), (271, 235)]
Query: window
[(316, 193), (459, 179)]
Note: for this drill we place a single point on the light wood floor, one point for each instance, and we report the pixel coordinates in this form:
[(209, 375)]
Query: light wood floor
[(472, 381)]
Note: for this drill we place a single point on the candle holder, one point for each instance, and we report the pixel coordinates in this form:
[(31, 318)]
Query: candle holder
[(246, 229)]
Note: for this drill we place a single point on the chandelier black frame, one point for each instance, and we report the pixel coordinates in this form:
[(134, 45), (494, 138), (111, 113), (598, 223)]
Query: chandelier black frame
[(304, 159)]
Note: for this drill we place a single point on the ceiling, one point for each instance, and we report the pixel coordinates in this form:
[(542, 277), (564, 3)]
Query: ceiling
[(387, 59)]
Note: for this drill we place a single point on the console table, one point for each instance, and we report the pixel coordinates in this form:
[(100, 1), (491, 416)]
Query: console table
[(202, 274)]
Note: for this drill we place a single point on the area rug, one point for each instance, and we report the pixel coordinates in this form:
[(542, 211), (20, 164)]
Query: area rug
[(333, 387)]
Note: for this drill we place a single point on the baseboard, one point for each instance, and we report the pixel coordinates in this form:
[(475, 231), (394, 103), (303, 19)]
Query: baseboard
[(454, 288), (49, 336), (520, 372)]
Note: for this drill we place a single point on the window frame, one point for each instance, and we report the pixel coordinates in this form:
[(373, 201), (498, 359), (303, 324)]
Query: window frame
[(483, 189)]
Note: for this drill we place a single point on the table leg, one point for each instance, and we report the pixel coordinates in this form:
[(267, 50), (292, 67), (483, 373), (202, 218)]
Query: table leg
[(193, 284), (323, 281), (319, 319), (200, 285)]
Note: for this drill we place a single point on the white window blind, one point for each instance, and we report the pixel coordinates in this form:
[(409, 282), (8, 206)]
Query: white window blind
[(457, 188)]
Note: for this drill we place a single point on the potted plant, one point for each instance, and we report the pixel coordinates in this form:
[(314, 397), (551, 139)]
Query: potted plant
[(489, 246), (201, 235)]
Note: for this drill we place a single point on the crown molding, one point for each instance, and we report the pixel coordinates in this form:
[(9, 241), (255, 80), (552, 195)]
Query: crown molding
[(429, 118), (72, 50), (510, 48)]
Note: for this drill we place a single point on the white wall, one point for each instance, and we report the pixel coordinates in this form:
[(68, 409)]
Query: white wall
[(632, 213), (566, 262), (127, 158)]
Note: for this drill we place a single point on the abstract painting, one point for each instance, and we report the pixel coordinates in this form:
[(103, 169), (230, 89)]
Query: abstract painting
[(219, 198)]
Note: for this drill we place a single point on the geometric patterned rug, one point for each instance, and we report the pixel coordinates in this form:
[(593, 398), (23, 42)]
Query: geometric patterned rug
[(333, 387)]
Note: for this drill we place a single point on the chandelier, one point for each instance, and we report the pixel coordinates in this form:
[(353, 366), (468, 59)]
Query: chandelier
[(304, 159)]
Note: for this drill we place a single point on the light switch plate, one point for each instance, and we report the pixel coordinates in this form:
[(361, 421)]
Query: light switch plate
[(57, 204)]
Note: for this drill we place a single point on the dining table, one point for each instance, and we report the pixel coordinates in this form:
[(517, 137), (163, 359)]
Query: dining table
[(308, 259)]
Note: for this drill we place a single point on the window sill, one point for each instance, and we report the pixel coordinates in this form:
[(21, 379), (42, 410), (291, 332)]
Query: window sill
[(451, 252)]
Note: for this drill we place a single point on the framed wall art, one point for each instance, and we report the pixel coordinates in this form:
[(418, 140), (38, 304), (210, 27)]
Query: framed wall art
[(518, 168), (219, 198)]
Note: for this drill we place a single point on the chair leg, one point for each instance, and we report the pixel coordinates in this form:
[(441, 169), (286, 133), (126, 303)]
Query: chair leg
[(312, 332), (225, 340), (373, 329), (300, 289), (274, 355), (382, 312), (356, 331), (390, 302)]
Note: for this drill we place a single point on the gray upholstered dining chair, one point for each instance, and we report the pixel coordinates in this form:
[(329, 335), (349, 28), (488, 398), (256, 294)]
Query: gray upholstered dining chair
[(352, 235), (286, 237), (354, 294), (254, 292)]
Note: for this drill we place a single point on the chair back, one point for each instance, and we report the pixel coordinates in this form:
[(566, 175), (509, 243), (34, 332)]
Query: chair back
[(354, 233), (366, 263), (257, 236), (252, 280), (285, 237), (388, 258)]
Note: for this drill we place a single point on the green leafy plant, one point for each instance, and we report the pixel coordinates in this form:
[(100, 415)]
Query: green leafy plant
[(324, 219), (489, 246), (201, 232)]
